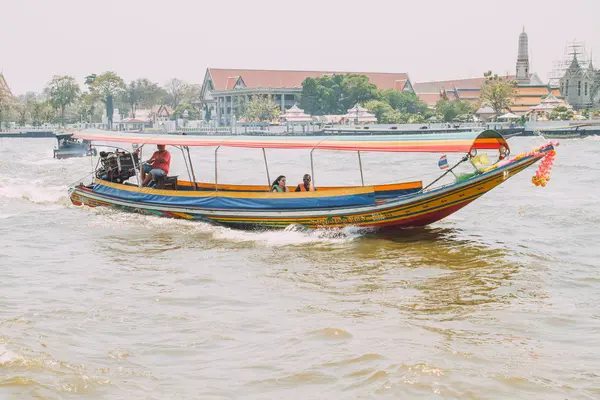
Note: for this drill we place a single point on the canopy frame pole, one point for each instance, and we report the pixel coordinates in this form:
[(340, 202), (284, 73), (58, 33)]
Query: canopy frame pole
[(216, 169), (267, 168), (187, 148), (134, 168), (140, 158), (362, 179), (465, 158), (185, 161), (312, 167)]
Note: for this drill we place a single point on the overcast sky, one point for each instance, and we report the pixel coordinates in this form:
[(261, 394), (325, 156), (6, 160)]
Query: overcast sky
[(431, 40)]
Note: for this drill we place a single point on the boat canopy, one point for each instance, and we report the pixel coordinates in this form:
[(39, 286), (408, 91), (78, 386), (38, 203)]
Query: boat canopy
[(60, 136), (455, 142)]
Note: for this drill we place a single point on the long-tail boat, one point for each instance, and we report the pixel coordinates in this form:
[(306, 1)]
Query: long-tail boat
[(382, 207)]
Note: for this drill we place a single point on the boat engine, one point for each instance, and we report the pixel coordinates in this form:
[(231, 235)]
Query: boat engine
[(116, 166)]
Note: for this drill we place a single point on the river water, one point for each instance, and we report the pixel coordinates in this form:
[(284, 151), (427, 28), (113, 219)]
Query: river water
[(500, 300)]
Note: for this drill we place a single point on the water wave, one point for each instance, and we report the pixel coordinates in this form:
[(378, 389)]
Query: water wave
[(34, 193), (292, 235)]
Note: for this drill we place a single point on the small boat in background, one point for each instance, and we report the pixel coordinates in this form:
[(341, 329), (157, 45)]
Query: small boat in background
[(576, 131), (72, 147)]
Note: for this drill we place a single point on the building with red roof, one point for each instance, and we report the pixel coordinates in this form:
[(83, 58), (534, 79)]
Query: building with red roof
[(225, 91)]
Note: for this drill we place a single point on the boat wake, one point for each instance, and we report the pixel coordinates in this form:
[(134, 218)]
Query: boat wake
[(293, 235), (33, 192)]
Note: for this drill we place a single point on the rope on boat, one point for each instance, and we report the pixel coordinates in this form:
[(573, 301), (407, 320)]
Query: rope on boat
[(465, 158)]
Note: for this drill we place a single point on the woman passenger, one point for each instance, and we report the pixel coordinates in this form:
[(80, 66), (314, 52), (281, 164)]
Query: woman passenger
[(279, 184)]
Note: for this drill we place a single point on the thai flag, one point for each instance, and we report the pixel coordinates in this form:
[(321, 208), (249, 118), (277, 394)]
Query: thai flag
[(443, 163)]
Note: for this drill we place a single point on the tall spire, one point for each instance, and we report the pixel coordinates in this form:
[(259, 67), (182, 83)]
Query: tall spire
[(523, 59)]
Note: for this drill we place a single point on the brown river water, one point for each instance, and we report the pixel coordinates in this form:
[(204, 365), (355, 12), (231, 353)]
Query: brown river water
[(500, 300)]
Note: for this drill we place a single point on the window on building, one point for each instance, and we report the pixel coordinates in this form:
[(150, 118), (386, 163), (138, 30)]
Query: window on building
[(567, 88), (578, 88), (585, 90)]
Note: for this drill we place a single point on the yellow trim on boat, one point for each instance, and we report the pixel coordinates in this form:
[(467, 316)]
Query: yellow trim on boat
[(262, 188)]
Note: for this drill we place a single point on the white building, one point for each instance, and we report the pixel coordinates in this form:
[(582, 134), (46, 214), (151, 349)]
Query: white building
[(579, 85)]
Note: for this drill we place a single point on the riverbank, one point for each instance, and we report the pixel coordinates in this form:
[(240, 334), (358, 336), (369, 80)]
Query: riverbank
[(27, 134)]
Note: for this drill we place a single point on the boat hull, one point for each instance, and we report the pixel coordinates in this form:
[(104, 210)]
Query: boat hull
[(414, 210), (74, 152)]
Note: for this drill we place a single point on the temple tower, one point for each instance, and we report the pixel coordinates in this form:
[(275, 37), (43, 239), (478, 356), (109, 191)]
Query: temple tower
[(523, 60)]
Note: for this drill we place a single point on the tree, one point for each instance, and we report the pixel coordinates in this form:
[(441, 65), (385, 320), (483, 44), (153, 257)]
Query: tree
[(131, 96), (86, 106), (22, 106), (142, 92), (393, 117), (261, 109), (561, 113), (107, 86), (404, 102), (335, 94), (38, 104), (192, 113), (356, 89), (379, 108), (449, 110), (497, 92), (62, 91), (176, 88), (6, 101)]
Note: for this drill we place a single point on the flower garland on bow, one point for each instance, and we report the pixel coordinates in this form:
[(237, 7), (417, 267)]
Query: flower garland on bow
[(542, 175)]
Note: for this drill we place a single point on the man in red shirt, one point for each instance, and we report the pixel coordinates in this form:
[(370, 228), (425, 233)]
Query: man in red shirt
[(158, 165)]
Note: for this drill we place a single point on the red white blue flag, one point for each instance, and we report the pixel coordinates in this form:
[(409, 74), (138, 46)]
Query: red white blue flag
[(443, 163)]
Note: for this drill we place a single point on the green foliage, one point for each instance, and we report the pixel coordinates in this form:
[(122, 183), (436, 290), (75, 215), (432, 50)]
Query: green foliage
[(408, 103), (335, 94), (379, 108), (62, 92), (561, 113), (86, 107), (178, 91), (192, 113), (107, 86), (497, 92), (261, 109), (450, 110), (22, 106)]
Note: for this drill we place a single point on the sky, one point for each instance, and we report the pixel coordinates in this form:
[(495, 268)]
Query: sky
[(159, 40)]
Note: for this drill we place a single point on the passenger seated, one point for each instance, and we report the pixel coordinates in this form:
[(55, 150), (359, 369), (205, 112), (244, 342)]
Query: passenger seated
[(306, 185), (158, 165), (279, 184)]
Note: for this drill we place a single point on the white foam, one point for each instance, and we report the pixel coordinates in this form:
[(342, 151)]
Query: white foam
[(292, 235), (33, 193), (594, 138), (8, 356)]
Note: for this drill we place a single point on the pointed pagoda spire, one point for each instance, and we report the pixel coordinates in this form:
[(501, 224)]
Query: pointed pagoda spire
[(523, 59), (574, 62), (591, 66)]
